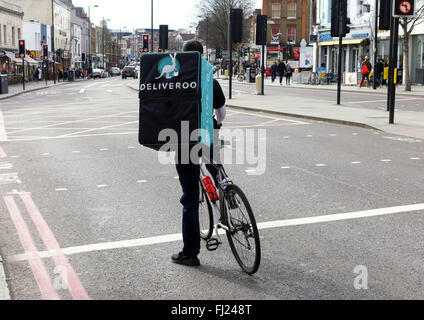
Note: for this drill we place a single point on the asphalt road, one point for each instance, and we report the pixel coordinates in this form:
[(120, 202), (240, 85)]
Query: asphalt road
[(74, 180), (366, 98)]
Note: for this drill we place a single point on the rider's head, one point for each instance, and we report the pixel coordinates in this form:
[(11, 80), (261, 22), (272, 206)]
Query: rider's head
[(193, 45)]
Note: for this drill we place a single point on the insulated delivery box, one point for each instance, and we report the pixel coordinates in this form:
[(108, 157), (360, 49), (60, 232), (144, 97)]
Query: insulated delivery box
[(175, 88)]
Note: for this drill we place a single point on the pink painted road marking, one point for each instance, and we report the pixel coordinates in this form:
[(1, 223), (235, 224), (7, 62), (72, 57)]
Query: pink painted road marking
[(2, 153), (41, 276), (74, 285)]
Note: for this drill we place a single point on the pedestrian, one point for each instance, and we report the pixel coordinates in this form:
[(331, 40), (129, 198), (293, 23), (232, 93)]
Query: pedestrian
[(273, 71), (379, 69), (36, 73), (281, 69), (289, 73), (189, 175), (40, 73), (365, 71)]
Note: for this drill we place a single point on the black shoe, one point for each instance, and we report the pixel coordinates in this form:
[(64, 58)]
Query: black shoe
[(180, 258)]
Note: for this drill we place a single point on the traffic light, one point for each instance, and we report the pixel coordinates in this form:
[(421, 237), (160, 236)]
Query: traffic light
[(346, 23), (404, 8), (22, 48), (46, 50), (83, 57), (339, 8), (261, 28), (236, 18), (163, 36), (159, 49), (146, 42), (385, 15)]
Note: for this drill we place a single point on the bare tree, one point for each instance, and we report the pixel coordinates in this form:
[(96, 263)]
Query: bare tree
[(213, 19), (408, 25)]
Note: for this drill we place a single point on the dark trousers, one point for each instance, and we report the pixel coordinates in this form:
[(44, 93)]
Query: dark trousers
[(189, 175), (281, 78), (273, 76), (288, 79), (365, 76)]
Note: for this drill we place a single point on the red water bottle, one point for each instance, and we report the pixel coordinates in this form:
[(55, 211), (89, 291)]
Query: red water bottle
[(210, 189)]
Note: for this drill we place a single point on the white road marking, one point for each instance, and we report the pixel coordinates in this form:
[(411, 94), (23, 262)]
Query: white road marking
[(415, 158), (15, 157), (6, 165), (82, 91), (3, 134), (45, 154), (104, 149), (285, 167), (356, 162), (332, 135), (61, 189), (262, 226), (76, 151), (102, 186), (109, 91), (386, 160), (131, 147), (142, 181), (397, 100), (320, 165)]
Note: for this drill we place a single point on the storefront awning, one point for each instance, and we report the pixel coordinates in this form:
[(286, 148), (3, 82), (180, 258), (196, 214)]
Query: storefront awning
[(336, 42), (31, 61)]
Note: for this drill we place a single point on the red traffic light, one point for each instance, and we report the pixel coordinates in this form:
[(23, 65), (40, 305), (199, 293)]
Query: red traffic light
[(145, 38), (21, 43)]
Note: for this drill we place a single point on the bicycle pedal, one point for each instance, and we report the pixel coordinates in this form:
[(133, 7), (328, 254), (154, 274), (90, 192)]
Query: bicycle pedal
[(212, 244)]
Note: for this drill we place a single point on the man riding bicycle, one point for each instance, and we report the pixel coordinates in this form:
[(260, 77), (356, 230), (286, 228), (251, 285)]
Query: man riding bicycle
[(189, 175)]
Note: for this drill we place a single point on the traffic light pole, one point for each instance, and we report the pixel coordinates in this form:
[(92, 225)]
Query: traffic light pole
[(393, 62), (339, 66), (374, 82), (230, 49), (23, 73)]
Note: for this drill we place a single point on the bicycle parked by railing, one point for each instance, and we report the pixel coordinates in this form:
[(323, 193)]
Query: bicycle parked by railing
[(233, 214)]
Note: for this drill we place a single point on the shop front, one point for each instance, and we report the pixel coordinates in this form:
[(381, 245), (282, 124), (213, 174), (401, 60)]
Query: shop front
[(417, 62), (285, 52)]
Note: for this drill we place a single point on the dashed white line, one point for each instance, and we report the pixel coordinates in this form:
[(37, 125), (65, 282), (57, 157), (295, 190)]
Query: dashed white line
[(76, 151), (285, 167), (415, 158), (386, 160), (61, 189), (104, 149), (102, 185), (320, 165), (356, 162), (142, 181)]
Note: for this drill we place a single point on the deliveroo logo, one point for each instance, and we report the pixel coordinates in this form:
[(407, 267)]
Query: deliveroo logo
[(169, 67)]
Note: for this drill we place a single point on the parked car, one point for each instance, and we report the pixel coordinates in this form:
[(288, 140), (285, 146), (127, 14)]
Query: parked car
[(129, 72), (98, 73), (115, 71)]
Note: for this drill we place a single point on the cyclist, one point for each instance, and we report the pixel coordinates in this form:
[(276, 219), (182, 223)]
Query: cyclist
[(189, 175)]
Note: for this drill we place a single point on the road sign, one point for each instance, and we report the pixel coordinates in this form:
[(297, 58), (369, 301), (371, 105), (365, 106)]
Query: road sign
[(404, 8)]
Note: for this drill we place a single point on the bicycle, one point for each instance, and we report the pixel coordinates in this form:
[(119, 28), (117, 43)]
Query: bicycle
[(239, 225), (241, 77)]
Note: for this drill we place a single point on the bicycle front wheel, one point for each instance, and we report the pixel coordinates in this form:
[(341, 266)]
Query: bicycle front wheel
[(243, 235)]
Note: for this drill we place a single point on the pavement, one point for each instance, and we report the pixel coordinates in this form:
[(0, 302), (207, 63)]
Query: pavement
[(17, 89), (407, 123)]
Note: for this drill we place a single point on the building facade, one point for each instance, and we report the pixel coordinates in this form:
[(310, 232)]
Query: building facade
[(289, 22), (11, 25)]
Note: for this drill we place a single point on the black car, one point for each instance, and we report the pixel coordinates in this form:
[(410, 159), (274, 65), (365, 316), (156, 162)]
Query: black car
[(129, 72)]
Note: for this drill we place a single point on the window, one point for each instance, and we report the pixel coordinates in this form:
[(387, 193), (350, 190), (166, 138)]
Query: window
[(0, 34), (13, 36), (4, 33), (291, 10), (291, 33), (276, 10), (19, 33)]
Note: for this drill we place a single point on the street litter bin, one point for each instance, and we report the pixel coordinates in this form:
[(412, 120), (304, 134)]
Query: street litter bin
[(251, 74), (71, 75), (4, 84)]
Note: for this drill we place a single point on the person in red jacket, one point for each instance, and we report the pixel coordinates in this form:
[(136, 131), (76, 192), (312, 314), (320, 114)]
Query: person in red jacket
[(365, 71)]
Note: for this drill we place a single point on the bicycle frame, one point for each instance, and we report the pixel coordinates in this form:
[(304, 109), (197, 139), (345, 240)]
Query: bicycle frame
[(218, 210)]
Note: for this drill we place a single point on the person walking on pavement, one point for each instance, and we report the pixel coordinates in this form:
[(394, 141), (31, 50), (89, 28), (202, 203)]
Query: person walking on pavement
[(289, 73), (365, 71), (274, 71), (379, 69), (281, 69)]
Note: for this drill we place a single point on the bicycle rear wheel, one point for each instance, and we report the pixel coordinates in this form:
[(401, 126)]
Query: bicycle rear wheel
[(244, 237), (205, 214)]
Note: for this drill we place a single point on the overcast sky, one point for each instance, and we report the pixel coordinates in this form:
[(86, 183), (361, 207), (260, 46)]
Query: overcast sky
[(178, 14)]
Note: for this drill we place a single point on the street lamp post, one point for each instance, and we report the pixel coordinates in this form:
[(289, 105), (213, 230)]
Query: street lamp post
[(89, 41), (152, 26), (53, 53)]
